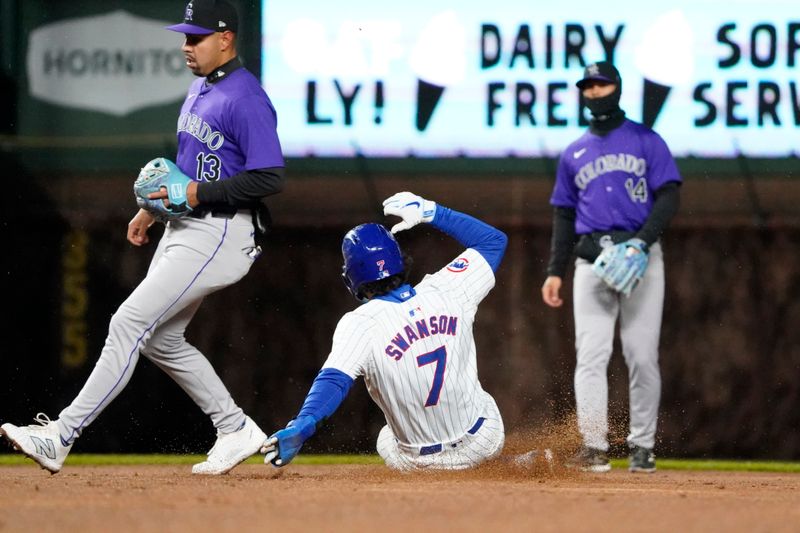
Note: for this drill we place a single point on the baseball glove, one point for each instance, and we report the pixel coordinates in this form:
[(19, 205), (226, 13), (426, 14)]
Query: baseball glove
[(622, 265), (161, 173)]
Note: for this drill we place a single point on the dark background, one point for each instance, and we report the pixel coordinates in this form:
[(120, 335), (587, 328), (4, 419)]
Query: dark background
[(730, 350)]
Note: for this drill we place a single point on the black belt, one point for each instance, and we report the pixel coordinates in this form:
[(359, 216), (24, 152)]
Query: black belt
[(436, 448), (590, 245)]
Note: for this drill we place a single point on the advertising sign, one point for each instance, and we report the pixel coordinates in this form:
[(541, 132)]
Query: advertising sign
[(115, 63), (496, 79)]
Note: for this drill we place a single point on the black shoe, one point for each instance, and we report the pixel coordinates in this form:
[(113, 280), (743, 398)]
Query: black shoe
[(642, 460), (590, 460)]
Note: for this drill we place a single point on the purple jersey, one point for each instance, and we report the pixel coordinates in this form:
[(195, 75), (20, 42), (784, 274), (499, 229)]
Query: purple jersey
[(227, 127), (610, 179)]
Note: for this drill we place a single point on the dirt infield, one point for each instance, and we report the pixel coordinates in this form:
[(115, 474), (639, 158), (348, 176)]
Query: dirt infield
[(368, 497)]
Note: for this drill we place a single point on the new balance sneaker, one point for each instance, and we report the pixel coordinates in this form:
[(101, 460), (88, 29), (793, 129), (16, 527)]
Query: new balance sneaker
[(231, 449), (642, 460), (590, 460), (41, 442)]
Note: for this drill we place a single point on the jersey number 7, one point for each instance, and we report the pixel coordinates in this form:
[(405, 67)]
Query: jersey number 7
[(438, 356)]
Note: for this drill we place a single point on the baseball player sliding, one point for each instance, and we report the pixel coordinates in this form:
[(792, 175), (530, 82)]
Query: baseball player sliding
[(413, 346), (229, 158), (616, 191)]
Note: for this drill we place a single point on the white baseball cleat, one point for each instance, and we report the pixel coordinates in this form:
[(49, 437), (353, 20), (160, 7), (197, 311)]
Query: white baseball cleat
[(231, 449), (41, 442)]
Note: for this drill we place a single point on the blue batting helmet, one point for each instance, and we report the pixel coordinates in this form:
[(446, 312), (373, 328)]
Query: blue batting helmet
[(370, 253)]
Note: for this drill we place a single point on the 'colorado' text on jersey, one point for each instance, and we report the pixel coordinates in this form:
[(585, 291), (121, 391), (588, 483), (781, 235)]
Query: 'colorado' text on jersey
[(610, 179), (418, 356), (225, 128)]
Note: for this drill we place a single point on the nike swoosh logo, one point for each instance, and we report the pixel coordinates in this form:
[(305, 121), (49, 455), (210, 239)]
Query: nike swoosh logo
[(412, 203), (579, 153)]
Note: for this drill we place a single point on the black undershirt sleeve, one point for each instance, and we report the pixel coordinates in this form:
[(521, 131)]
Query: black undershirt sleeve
[(243, 189), (665, 205), (563, 241)]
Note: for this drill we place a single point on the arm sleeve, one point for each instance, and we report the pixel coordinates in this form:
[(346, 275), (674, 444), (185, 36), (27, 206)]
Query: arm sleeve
[(562, 242), (329, 389), (665, 205), (488, 241), (244, 189)]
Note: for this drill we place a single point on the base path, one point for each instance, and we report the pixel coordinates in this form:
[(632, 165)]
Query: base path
[(363, 497)]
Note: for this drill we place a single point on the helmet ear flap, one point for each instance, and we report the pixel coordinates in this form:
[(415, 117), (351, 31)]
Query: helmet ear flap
[(348, 283)]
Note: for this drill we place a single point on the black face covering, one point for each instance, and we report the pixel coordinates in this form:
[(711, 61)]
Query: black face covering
[(606, 112)]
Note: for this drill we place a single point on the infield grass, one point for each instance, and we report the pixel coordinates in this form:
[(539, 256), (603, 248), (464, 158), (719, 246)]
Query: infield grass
[(7, 459), (719, 465)]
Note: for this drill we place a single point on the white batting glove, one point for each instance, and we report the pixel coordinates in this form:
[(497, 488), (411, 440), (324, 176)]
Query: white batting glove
[(411, 208)]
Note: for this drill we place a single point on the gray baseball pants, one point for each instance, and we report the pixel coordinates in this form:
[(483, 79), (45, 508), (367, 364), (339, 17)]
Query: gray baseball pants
[(596, 308), (195, 257)]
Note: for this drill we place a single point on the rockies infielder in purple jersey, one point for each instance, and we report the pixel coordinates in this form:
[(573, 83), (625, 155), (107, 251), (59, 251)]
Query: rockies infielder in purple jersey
[(413, 346), (616, 183), (228, 145)]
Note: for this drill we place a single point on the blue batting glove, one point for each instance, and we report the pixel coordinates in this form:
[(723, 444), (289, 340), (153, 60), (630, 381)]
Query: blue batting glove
[(285, 444)]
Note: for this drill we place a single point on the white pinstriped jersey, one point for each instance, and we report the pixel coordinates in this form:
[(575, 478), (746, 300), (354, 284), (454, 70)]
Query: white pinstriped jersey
[(418, 356)]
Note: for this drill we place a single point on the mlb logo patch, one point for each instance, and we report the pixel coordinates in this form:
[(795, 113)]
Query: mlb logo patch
[(459, 265)]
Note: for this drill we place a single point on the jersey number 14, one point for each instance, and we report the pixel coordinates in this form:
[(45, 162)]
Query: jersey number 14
[(638, 191)]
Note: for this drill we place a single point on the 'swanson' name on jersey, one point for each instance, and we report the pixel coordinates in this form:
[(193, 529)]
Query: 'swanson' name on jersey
[(200, 130), (609, 163), (441, 325)]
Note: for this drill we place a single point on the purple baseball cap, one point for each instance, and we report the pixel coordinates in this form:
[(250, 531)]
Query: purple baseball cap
[(600, 71), (203, 17)]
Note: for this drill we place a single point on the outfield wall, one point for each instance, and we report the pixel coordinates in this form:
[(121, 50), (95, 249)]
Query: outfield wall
[(730, 348), (90, 92)]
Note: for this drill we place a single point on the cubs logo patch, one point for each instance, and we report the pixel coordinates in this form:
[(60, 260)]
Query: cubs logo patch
[(459, 265)]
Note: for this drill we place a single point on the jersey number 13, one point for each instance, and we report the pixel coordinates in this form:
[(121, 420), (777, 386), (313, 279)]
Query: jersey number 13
[(208, 167)]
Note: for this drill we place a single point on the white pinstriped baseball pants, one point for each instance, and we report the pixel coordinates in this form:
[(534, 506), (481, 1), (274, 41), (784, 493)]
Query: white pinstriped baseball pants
[(596, 308), (467, 452)]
